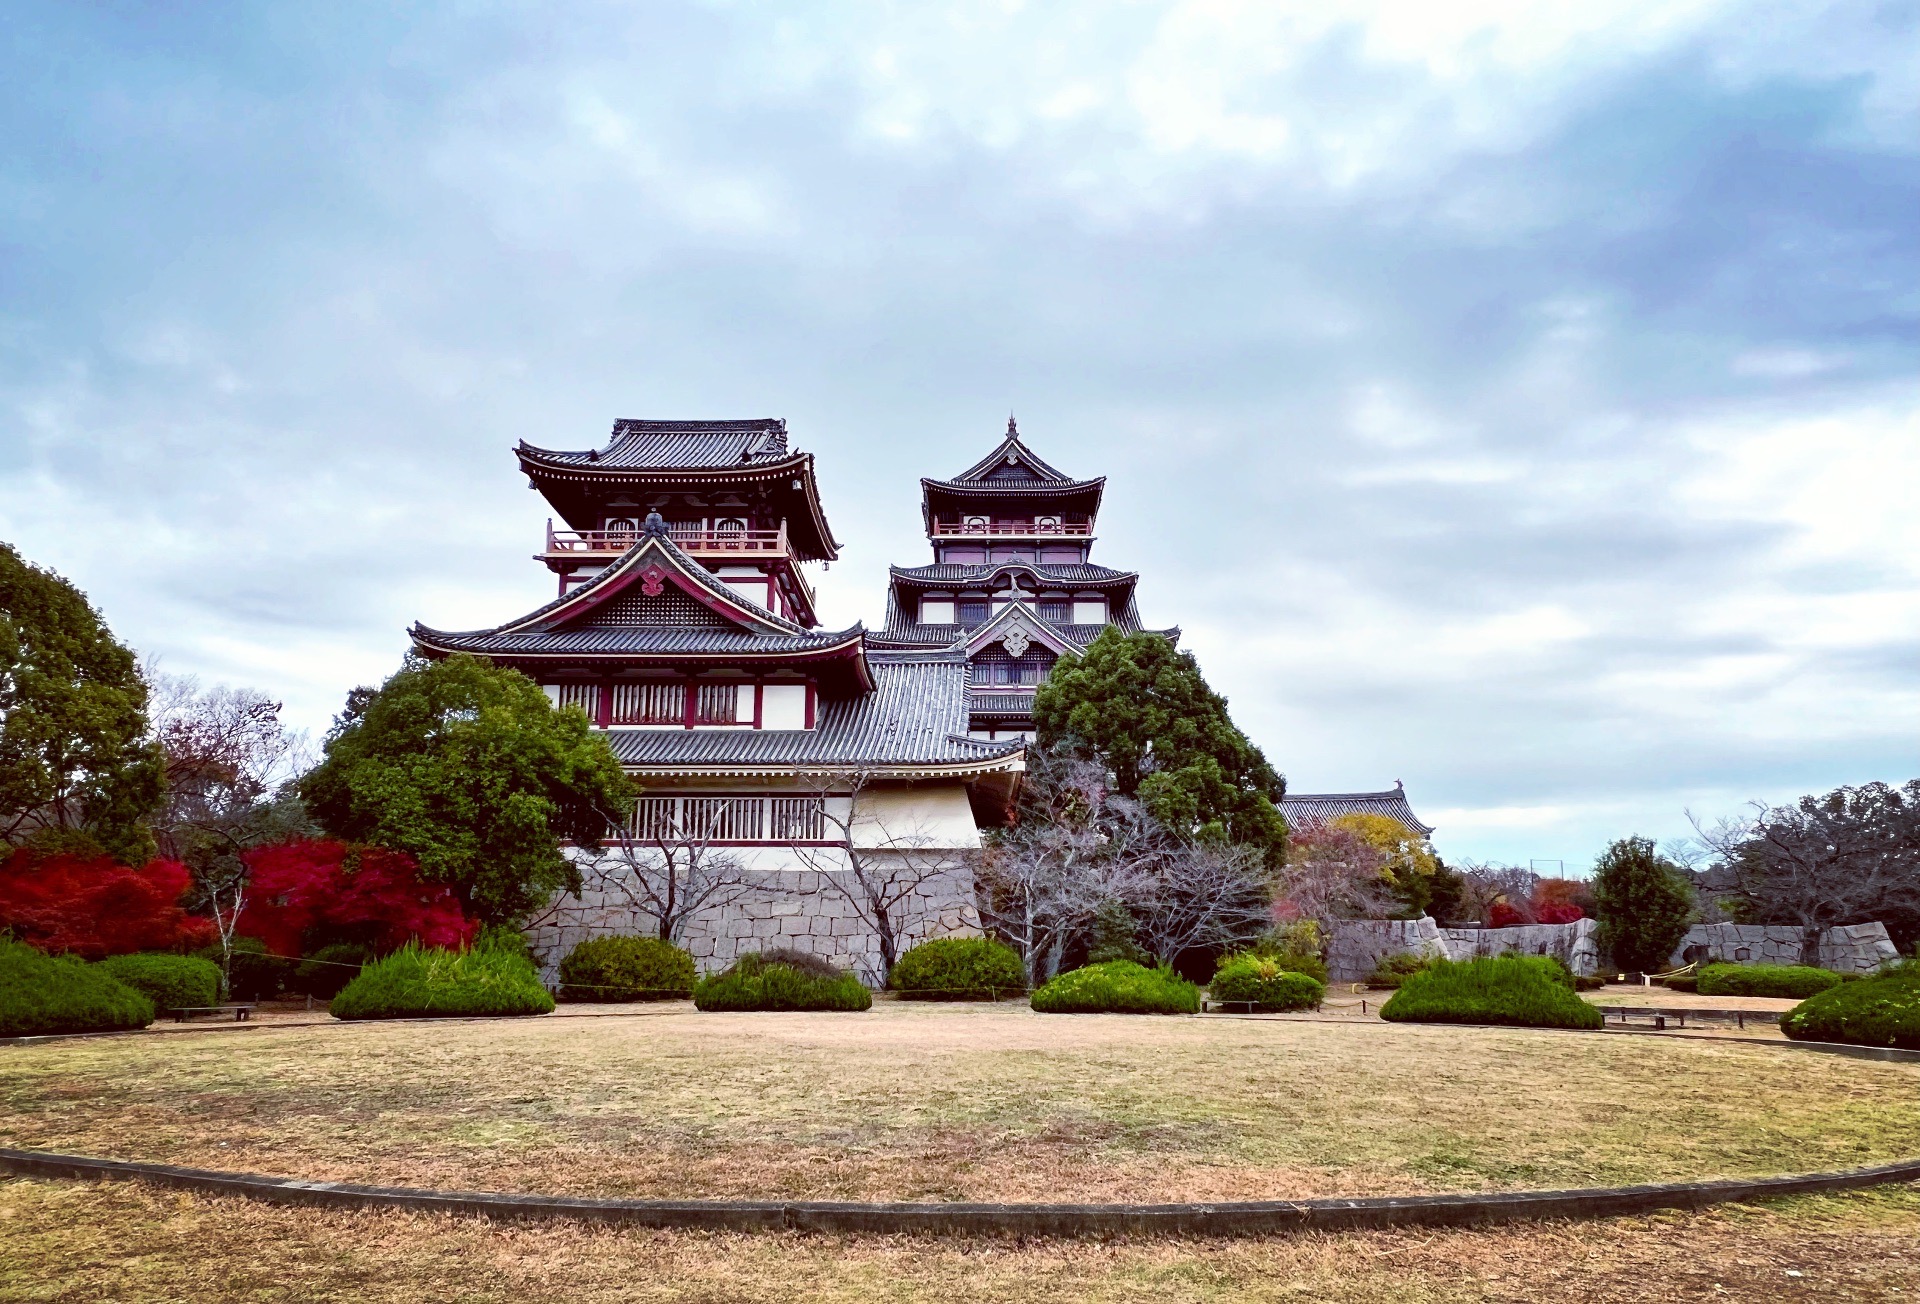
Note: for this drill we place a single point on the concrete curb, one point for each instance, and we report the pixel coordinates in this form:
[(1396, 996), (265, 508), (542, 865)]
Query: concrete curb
[(1230, 1219)]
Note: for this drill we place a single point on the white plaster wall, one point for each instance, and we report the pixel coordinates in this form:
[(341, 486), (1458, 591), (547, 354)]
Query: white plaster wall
[(923, 814)]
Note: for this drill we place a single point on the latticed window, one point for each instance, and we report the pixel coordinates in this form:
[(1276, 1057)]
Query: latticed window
[(700, 819), (797, 819), (662, 702), (994, 668), (584, 696), (717, 704), (972, 610)]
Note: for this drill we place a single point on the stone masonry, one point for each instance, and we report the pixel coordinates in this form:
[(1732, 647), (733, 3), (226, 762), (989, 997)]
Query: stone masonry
[(792, 908), (1355, 946), (1855, 948)]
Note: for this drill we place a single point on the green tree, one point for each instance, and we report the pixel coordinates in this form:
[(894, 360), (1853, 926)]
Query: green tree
[(1145, 710), (1643, 904), (76, 766), (469, 768)]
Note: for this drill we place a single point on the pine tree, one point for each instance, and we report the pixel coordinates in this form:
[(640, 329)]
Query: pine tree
[(1642, 903)]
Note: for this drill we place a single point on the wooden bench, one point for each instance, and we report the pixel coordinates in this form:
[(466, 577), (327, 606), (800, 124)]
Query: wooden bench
[(240, 1013), (1660, 1014)]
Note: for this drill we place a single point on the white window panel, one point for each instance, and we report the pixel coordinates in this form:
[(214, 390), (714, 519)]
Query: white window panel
[(783, 706), (1089, 613), (936, 611)]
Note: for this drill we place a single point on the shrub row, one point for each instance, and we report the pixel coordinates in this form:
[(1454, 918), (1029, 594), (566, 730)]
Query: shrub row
[(1265, 982), (417, 981), (959, 969), (1530, 991), (1117, 987), (626, 969), (1880, 1011), (1798, 981), (1390, 971), (781, 980), (171, 982)]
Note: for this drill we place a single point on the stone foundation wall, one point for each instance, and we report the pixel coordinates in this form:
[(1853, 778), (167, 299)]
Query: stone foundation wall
[(789, 907), (1571, 944), (1856, 948), (1355, 946)]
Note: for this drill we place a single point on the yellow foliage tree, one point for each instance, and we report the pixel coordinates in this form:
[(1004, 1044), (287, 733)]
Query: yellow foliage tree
[(1410, 859)]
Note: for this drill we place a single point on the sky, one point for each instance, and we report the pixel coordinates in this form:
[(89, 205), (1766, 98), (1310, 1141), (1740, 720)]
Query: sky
[(1520, 401)]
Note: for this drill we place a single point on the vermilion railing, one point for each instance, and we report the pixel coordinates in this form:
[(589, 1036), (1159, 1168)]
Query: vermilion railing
[(693, 538), (1024, 529)]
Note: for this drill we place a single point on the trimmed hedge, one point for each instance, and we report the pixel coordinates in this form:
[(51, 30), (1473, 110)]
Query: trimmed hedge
[(1267, 983), (959, 969), (1798, 981), (418, 981), (42, 994), (1390, 971), (626, 969), (1878, 1011), (762, 982), (1525, 991), (171, 982), (329, 968), (1117, 987), (1682, 982)]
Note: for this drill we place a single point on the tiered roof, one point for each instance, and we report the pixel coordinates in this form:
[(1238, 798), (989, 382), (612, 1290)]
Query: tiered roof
[(1305, 811), (1010, 471), (657, 457)]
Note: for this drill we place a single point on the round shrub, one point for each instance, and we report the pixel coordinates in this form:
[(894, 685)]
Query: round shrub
[(1797, 981), (1266, 984), (1527, 991), (1879, 1011), (1118, 987), (764, 982), (959, 969), (171, 982), (42, 994), (626, 969), (327, 970), (418, 981)]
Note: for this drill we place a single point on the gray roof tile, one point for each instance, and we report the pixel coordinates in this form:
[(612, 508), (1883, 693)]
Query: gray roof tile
[(1304, 811), (676, 445)]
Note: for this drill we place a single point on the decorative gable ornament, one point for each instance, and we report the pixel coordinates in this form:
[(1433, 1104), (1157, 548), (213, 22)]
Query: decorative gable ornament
[(1016, 643), (650, 580)]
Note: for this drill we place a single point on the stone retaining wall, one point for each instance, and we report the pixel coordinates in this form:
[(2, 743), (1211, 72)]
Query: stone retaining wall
[(1855, 948), (1355, 946), (797, 908), (1571, 944)]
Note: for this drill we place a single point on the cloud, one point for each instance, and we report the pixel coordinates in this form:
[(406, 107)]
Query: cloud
[(1512, 399)]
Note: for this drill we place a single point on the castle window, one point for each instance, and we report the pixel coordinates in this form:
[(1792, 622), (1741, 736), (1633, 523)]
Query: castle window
[(659, 702), (584, 697), (1089, 611), (720, 704), (972, 610), (936, 611), (1057, 610)]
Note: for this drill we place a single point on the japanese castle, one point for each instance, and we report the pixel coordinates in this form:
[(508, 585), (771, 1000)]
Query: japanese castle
[(684, 626)]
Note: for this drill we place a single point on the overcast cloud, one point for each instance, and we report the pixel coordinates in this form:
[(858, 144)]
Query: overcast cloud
[(1517, 400)]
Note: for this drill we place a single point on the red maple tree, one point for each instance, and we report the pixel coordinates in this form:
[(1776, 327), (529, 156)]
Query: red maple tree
[(93, 907), (320, 888)]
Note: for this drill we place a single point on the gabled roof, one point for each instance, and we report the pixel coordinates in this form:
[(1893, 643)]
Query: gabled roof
[(1304, 811), (1013, 469), (1077, 575), (663, 457), (916, 718), (741, 632), (1015, 616)]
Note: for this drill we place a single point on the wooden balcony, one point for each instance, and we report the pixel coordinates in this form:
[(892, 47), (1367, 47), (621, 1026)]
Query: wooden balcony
[(1011, 530), (696, 541)]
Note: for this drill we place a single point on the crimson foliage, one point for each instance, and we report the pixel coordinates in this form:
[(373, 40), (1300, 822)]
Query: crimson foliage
[(93, 907), (307, 891)]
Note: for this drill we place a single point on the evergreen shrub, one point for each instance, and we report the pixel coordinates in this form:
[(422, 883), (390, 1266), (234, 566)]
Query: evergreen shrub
[(1296, 946), (1389, 971), (42, 994), (1527, 991), (959, 969), (1880, 1011), (772, 981), (1682, 982), (252, 974), (1798, 981), (1117, 987), (419, 981), (171, 982), (626, 969), (331, 967), (1266, 983)]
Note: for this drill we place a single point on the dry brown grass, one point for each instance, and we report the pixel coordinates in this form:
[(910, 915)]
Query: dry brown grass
[(72, 1242), (956, 1102)]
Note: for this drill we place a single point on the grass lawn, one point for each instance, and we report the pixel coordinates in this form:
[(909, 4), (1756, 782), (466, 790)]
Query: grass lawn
[(931, 1102), (75, 1242)]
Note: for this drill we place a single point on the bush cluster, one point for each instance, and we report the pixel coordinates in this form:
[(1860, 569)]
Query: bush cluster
[(959, 969), (1682, 982), (1389, 971), (171, 982), (42, 994), (781, 980), (429, 981), (1588, 982), (1266, 982), (1880, 1011), (1118, 987), (1296, 946), (1798, 981), (331, 967), (1528, 991), (626, 969)]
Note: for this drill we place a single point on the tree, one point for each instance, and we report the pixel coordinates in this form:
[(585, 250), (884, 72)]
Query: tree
[(1144, 710), (1643, 904), (663, 861), (308, 893), (94, 907), (1332, 872), (74, 756), (1408, 861), (1849, 857), (467, 767)]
